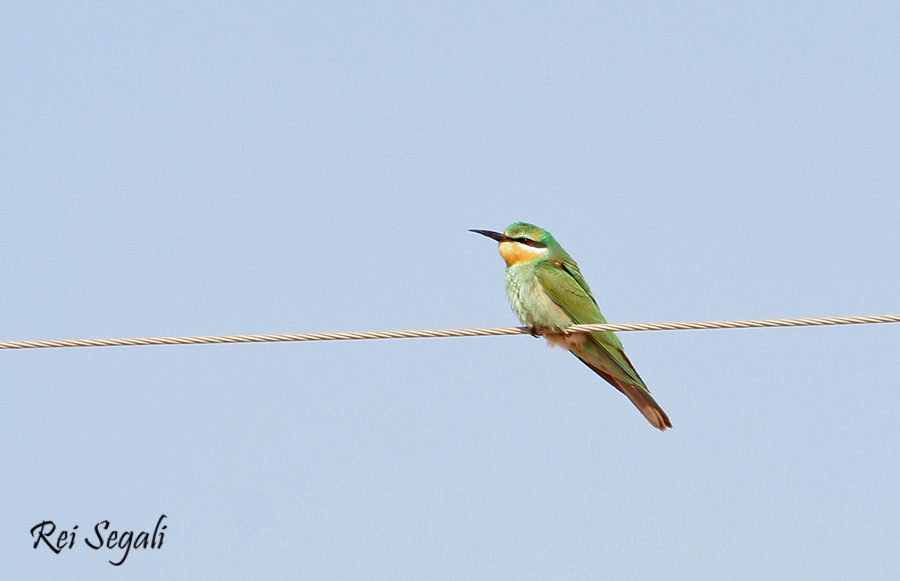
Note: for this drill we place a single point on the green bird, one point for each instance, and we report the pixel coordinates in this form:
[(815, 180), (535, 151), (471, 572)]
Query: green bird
[(548, 293)]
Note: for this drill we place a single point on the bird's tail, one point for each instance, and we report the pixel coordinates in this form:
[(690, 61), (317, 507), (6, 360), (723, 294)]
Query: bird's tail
[(638, 394)]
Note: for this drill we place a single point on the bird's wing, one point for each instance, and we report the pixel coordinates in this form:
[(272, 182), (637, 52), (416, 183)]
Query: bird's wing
[(568, 290), (603, 353)]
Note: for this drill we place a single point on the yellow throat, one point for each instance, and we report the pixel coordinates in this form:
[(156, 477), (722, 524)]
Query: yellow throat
[(516, 252)]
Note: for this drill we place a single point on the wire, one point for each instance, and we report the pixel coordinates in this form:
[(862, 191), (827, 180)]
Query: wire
[(433, 333)]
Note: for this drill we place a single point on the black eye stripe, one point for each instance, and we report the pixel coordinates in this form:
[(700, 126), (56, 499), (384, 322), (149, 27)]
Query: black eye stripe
[(529, 242)]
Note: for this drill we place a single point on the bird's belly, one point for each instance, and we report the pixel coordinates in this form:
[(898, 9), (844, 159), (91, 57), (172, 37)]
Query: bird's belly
[(531, 304)]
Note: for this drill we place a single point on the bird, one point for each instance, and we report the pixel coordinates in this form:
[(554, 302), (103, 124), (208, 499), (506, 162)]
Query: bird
[(548, 294)]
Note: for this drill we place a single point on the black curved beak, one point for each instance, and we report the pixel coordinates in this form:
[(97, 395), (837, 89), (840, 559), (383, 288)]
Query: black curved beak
[(498, 236)]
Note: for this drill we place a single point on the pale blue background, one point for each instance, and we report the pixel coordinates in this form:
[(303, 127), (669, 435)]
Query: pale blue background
[(271, 167)]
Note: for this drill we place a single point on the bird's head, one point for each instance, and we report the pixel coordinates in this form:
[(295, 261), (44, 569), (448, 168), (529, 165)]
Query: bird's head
[(520, 242)]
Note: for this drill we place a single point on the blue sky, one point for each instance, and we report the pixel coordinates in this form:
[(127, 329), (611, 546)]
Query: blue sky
[(223, 168)]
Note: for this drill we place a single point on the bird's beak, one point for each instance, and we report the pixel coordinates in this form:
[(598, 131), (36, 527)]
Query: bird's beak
[(498, 236)]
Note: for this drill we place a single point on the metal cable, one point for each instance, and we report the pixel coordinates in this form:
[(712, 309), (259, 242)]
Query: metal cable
[(431, 333)]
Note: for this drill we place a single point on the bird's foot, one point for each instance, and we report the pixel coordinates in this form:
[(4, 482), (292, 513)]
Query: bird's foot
[(534, 332)]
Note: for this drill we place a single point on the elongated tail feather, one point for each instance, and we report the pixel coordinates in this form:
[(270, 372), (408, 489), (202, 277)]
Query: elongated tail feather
[(641, 399)]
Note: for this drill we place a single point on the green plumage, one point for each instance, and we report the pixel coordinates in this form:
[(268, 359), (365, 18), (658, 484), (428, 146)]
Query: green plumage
[(548, 293)]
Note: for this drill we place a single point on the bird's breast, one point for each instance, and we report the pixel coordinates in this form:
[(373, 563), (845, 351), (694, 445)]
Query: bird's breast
[(530, 302)]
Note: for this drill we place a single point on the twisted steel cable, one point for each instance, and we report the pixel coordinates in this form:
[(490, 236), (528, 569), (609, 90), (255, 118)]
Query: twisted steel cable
[(435, 333)]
